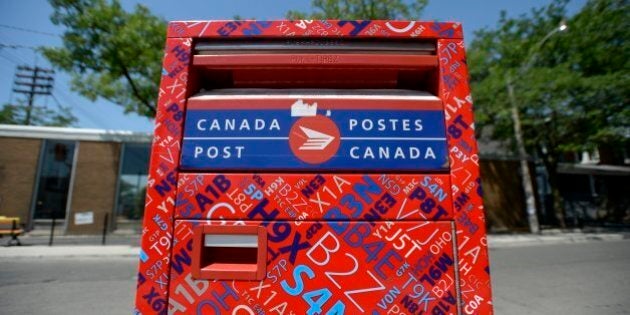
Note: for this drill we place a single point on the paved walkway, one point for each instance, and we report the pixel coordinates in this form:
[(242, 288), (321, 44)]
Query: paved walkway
[(68, 251)]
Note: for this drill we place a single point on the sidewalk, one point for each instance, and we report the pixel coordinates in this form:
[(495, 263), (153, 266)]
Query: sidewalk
[(35, 245), (127, 245), (65, 251), (42, 238)]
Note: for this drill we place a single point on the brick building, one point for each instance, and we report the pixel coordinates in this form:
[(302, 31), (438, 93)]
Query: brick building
[(77, 176)]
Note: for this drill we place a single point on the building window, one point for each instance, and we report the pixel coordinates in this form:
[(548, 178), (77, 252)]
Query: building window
[(54, 179), (132, 181)]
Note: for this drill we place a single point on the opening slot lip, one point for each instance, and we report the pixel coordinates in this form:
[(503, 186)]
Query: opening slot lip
[(326, 93), (343, 99), (314, 44), (319, 60)]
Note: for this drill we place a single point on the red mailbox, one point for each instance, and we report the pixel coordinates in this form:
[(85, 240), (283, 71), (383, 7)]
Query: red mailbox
[(314, 167)]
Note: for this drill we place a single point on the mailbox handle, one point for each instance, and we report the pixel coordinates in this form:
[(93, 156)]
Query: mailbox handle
[(229, 252)]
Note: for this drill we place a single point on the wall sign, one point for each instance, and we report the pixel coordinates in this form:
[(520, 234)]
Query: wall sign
[(81, 218)]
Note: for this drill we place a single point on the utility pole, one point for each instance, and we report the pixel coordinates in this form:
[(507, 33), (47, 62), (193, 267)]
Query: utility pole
[(528, 188), (526, 179), (32, 81)]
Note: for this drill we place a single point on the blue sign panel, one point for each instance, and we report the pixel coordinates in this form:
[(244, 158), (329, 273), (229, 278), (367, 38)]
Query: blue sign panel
[(302, 137)]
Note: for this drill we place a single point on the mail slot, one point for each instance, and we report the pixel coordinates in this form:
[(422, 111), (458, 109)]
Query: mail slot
[(229, 252), (303, 167)]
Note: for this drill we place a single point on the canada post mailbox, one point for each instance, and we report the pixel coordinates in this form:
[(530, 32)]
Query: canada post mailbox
[(314, 167)]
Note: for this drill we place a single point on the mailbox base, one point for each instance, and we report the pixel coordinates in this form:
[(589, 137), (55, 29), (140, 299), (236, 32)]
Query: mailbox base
[(354, 267)]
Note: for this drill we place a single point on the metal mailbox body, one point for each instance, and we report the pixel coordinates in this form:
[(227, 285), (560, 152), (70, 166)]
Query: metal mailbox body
[(343, 194)]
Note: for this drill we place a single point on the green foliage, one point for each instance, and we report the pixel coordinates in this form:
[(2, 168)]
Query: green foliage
[(362, 10), (572, 88), (40, 116), (110, 53)]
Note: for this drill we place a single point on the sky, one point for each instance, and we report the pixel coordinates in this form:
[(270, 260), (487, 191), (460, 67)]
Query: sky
[(34, 15)]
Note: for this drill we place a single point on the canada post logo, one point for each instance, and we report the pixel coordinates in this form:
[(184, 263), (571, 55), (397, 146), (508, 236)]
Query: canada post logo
[(313, 138)]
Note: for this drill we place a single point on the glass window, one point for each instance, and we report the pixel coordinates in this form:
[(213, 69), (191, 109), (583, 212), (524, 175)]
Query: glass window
[(54, 179), (133, 181)]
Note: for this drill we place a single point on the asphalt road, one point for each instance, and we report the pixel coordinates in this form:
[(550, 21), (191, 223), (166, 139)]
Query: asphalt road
[(64, 286), (588, 278)]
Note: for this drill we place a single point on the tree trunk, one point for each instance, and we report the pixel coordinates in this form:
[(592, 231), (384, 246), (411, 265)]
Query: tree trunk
[(551, 166), (558, 204)]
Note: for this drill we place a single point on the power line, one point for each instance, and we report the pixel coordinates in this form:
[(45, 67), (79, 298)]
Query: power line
[(86, 113), (15, 56), (17, 46), (4, 65), (9, 59), (28, 30)]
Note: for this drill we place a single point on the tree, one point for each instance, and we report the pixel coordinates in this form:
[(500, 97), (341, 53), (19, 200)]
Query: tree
[(362, 9), (40, 116), (110, 53), (572, 93)]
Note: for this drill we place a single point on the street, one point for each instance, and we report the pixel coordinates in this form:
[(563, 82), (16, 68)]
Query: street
[(588, 278), (67, 286), (584, 278)]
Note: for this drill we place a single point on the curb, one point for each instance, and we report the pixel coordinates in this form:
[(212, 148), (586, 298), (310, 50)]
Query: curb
[(69, 251), (509, 241)]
